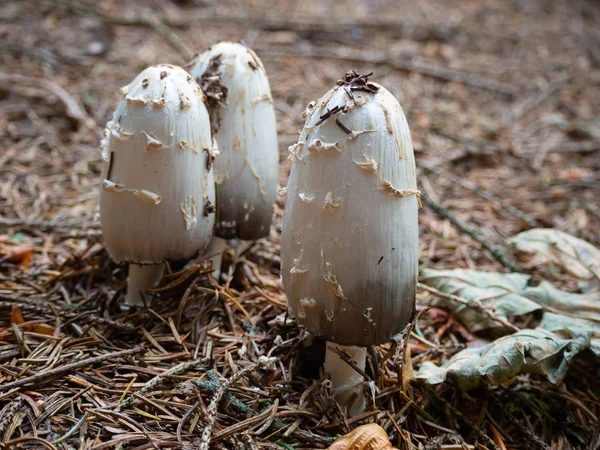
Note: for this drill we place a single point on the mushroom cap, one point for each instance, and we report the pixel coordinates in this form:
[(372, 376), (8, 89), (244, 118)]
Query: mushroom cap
[(247, 169), (349, 244), (157, 189)]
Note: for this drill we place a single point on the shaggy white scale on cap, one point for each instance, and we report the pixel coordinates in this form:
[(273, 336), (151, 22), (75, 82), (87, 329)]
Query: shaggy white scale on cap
[(247, 169), (158, 190), (349, 244)]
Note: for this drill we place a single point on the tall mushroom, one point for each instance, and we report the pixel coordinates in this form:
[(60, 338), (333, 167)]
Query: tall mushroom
[(243, 119), (157, 193), (349, 244)]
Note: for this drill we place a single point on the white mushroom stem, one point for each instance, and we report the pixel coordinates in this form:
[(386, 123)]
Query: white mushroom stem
[(217, 247), (142, 278), (214, 251), (347, 382), (241, 248)]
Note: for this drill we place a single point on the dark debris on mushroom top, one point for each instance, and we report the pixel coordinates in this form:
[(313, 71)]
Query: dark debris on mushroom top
[(357, 82)]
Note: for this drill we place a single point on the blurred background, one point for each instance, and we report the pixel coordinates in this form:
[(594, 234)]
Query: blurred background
[(502, 98), (505, 93)]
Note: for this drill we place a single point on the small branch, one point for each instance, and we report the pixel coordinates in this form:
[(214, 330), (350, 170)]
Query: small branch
[(8, 412), (68, 368), (538, 97), (214, 404), (469, 230), (72, 108), (469, 141), (462, 417), (576, 147), (440, 73), (348, 360), (473, 304), (527, 433), (91, 229), (136, 21), (159, 379), (8, 302), (482, 193), (212, 385)]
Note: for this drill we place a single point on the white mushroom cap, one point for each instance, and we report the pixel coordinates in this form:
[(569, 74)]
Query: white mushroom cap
[(349, 245), (247, 169), (158, 192)]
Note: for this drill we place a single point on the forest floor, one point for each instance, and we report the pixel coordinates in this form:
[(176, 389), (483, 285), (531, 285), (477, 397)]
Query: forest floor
[(503, 102)]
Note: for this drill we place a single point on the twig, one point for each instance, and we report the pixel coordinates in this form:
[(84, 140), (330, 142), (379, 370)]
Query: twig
[(239, 427), (483, 193), (135, 424), (45, 55), (537, 98), (72, 431), (214, 404), (461, 416), (87, 228), (576, 147), (371, 57), (8, 303), (469, 230), (8, 412), (393, 26), (159, 379), (73, 109), (473, 304), (211, 387), (532, 437), (39, 441), (348, 360), (68, 368), (135, 21)]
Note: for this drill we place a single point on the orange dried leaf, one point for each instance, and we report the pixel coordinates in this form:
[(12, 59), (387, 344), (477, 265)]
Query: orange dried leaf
[(365, 437), (17, 316), (21, 254), (33, 394), (41, 328)]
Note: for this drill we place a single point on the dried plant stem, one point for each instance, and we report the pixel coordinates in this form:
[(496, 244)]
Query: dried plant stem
[(212, 409), (8, 302), (7, 413), (73, 367), (211, 387), (473, 304), (372, 57), (469, 230), (462, 417), (137, 21), (527, 433), (159, 379), (87, 228), (41, 443), (482, 193), (72, 107)]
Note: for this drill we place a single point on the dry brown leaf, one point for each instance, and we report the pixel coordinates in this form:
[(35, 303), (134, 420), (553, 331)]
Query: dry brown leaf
[(17, 316), (41, 328), (20, 254), (365, 437)]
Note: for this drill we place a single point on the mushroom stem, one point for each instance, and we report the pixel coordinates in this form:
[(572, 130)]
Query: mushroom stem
[(347, 382), (241, 248), (142, 278), (214, 251)]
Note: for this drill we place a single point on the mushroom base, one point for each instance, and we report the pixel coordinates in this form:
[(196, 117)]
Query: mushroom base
[(347, 382), (141, 278), (214, 252)]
